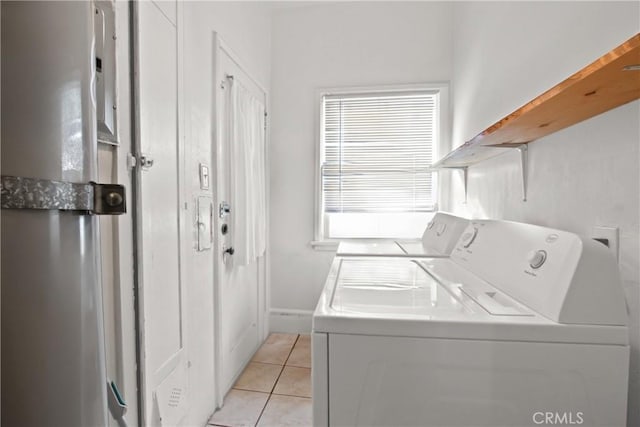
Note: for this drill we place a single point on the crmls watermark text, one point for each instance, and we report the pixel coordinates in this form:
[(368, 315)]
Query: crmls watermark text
[(558, 418)]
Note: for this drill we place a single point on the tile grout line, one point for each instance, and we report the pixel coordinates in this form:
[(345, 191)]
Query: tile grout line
[(292, 395), (263, 408), (264, 363), (292, 347), (277, 379), (259, 391), (284, 366)]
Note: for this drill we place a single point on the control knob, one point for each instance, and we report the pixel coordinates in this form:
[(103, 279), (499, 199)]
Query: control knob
[(468, 238), (537, 258)]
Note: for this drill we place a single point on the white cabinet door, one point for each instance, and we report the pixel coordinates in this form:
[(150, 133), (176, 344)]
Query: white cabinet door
[(161, 290)]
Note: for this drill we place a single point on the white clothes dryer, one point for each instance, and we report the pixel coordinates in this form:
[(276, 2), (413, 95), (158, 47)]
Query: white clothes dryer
[(438, 240)]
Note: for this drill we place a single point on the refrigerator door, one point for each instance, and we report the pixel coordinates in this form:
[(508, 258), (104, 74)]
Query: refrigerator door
[(53, 370)]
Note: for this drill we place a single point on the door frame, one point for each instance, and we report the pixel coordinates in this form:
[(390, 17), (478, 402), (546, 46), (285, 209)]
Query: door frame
[(134, 48), (220, 47)]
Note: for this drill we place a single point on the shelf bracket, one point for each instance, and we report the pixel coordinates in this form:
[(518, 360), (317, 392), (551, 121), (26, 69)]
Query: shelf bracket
[(524, 168), (523, 149), (465, 181), (464, 170)]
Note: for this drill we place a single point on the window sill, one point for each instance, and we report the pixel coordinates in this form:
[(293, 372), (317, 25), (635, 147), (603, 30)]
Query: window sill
[(324, 245), (332, 245)]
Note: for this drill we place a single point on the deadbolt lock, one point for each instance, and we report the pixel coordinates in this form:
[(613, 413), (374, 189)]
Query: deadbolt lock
[(224, 209), (145, 161)]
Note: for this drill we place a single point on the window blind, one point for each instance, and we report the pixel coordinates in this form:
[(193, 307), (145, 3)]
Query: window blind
[(377, 148)]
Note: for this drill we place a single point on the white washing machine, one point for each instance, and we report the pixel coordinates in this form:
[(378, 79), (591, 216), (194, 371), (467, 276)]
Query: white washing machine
[(438, 240), (521, 326)]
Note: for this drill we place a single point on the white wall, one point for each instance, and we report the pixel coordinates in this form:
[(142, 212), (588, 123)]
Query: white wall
[(246, 28), (504, 55), (333, 45)]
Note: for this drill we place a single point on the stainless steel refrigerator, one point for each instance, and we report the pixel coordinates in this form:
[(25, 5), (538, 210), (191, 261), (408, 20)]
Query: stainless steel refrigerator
[(53, 367)]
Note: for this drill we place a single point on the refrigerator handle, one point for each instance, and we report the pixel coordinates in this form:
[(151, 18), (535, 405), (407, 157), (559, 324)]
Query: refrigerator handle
[(44, 194)]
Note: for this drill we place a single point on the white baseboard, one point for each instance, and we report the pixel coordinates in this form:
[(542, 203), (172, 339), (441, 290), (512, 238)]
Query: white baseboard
[(290, 321)]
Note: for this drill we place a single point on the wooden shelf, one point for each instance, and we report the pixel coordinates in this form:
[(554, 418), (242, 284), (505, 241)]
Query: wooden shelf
[(599, 87)]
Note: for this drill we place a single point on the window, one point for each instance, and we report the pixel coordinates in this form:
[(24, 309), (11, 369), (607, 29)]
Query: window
[(375, 151)]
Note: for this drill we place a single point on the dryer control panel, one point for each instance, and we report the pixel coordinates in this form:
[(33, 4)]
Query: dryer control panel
[(442, 233), (563, 276)]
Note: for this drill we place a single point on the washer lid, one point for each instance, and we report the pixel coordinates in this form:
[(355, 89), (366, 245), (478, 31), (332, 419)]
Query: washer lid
[(393, 286), (435, 298)]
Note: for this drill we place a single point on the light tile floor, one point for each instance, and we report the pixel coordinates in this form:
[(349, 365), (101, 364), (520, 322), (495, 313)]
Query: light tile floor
[(275, 387)]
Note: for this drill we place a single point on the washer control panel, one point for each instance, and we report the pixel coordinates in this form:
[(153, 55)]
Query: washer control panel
[(442, 233), (540, 267)]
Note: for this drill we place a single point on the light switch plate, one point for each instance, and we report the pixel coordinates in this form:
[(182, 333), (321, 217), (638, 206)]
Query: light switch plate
[(608, 234), (204, 176)]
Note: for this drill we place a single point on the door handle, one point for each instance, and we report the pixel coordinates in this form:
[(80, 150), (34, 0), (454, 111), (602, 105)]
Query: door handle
[(43, 194), (229, 251)]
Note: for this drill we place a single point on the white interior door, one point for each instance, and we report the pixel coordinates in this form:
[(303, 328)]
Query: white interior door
[(161, 290), (240, 289)]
